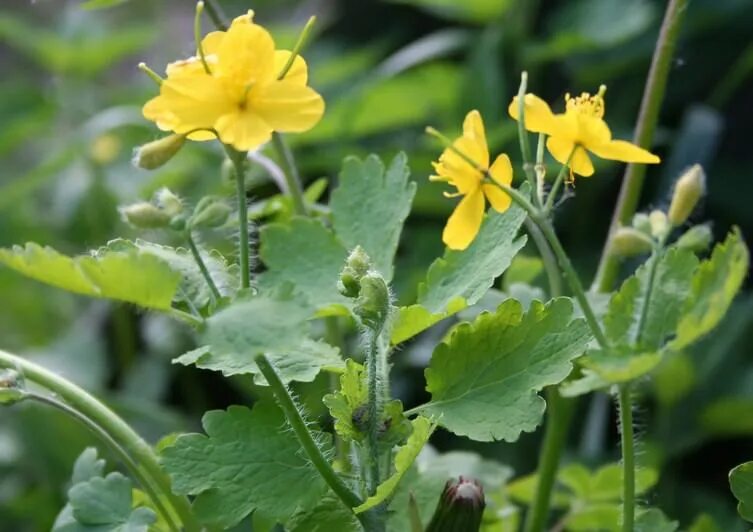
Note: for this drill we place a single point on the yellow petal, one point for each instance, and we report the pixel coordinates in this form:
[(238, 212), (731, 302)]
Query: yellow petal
[(499, 199), (298, 71), (189, 102), (246, 55), (243, 130), (456, 169), (465, 221), (580, 162), (620, 150), (287, 105), (211, 42), (501, 170), (592, 130), (475, 144), (539, 117)]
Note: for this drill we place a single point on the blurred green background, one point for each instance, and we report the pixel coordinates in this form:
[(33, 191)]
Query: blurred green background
[(70, 100)]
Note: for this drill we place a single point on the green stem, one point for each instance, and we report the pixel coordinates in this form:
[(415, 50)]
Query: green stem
[(525, 147), (373, 411), (216, 296), (116, 449), (557, 184), (238, 159), (312, 450), (190, 319), (292, 178), (554, 279), (559, 414), (653, 94), (216, 15), (117, 429), (333, 335), (628, 458)]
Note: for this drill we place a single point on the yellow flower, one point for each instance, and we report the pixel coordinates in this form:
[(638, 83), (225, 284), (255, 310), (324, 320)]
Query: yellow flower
[(581, 128), (237, 94), (464, 223)]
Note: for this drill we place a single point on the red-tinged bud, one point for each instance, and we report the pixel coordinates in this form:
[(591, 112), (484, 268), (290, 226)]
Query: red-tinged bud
[(460, 507)]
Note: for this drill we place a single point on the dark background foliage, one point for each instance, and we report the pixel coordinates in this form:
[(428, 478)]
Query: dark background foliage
[(70, 112)]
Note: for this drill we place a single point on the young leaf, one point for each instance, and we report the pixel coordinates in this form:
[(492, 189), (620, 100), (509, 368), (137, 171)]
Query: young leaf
[(484, 380), (343, 404), (460, 278), (370, 205), (330, 515), (246, 461), (275, 326), (714, 286), (306, 254), (741, 484), (130, 276), (406, 455)]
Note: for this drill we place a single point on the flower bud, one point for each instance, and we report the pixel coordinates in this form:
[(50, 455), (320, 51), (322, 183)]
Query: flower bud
[(460, 507), (156, 153), (659, 224), (210, 212), (688, 190), (144, 215), (642, 223), (356, 266), (104, 149), (12, 387), (373, 303), (697, 238), (168, 202), (628, 242)]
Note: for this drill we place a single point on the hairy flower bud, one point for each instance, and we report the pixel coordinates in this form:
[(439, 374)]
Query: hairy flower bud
[(628, 242), (156, 153), (659, 224), (697, 238), (373, 303), (144, 215), (356, 266), (168, 202), (688, 190), (210, 212), (460, 507), (642, 223), (12, 387)]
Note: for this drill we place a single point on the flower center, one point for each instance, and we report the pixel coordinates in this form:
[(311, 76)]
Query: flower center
[(586, 104)]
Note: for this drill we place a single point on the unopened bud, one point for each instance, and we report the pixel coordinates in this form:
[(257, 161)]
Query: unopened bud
[(144, 215), (697, 238), (642, 223), (659, 224), (210, 212), (460, 507), (168, 202), (688, 190), (373, 303), (12, 387), (156, 153), (628, 242), (356, 266)]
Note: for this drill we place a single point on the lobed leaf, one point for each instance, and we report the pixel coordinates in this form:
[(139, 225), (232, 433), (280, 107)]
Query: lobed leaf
[(484, 380), (741, 484)]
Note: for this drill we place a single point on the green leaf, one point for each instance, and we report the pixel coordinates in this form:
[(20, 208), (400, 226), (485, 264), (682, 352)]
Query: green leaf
[(275, 326), (404, 458), (704, 523), (461, 278), (330, 515), (604, 517), (246, 461), (306, 254), (728, 416), (484, 380), (87, 466), (604, 484), (653, 520), (106, 502), (130, 276), (479, 11), (370, 205), (741, 484), (714, 286), (454, 464), (352, 395)]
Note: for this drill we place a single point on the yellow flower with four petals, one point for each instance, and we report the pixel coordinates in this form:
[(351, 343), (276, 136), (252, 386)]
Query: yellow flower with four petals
[(235, 93), (464, 223), (577, 131)]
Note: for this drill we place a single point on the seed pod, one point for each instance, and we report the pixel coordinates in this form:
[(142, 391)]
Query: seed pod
[(460, 507), (144, 215), (156, 153), (688, 190), (697, 238), (628, 242)]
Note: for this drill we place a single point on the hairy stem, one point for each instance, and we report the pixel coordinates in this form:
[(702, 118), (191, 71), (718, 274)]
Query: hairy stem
[(628, 458), (115, 448), (202, 267), (310, 447), (559, 413), (292, 177), (373, 411), (525, 147), (117, 429), (653, 94), (238, 159)]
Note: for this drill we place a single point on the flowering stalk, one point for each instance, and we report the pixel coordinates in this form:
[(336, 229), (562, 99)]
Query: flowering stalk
[(628, 457), (653, 94), (117, 429), (215, 293), (292, 177), (238, 159)]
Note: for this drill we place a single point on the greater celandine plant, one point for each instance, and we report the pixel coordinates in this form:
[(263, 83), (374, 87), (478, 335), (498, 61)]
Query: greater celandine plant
[(270, 464)]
